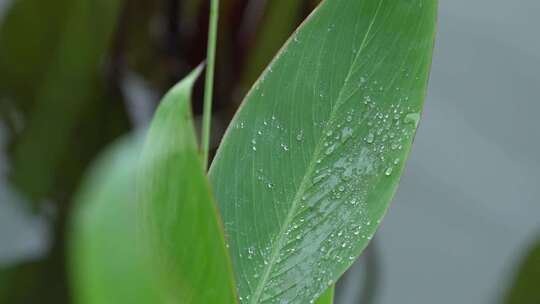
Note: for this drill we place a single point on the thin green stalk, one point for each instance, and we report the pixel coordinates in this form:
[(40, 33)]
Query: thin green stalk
[(209, 82)]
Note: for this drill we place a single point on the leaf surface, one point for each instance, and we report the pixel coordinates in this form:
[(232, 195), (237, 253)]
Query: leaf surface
[(313, 157), (180, 222), (105, 264), (327, 297)]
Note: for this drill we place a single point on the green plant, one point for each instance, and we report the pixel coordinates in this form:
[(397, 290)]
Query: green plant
[(301, 180), (524, 288)]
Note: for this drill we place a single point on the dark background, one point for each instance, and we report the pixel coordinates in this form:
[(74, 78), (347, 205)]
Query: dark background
[(468, 208)]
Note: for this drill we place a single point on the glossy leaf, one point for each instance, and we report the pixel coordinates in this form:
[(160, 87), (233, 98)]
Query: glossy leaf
[(327, 297), (313, 157), (106, 266), (180, 221)]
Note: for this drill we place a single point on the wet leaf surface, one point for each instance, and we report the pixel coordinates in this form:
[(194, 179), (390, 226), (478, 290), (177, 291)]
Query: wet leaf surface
[(313, 158)]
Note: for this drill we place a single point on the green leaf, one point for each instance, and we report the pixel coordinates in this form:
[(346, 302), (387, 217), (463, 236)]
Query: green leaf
[(60, 76), (24, 61), (180, 221), (313, 157), (327, 297), (105, 266), (524, 289)]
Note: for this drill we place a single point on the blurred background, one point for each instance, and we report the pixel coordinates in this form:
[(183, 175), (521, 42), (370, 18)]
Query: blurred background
[(77, 74)]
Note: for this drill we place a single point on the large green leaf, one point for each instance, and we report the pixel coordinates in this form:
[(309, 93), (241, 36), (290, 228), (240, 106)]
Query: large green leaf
[(313, 157), (106, 267), (180, 221)]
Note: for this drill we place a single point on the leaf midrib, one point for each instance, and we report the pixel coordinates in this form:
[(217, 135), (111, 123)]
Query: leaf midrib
[(303, 185)]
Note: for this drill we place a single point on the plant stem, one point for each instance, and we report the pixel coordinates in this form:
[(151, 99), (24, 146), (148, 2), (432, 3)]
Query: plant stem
[(209, 82)]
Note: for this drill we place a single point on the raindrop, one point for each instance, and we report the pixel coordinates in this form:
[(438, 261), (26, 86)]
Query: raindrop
[(330, 150), (412, 118), (370, 138), (388, 171), (300, 136)]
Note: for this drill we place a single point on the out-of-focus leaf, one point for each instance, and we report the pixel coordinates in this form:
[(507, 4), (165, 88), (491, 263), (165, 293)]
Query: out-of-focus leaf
[(524, 289), (16, 281), (4, 281), (312, 159), (281, 18), (64, 91), (106, 264), (26, 44), (180, 222)]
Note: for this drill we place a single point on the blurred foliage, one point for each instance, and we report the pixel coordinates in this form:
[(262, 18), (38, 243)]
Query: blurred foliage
[(525, 288), (62, 97), (105, 264), (65, 85)]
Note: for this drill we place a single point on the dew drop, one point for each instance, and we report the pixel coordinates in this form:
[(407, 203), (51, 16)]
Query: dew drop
[(370, 138), (300, 136), (388, 171), (413, 118), (330, 150)]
